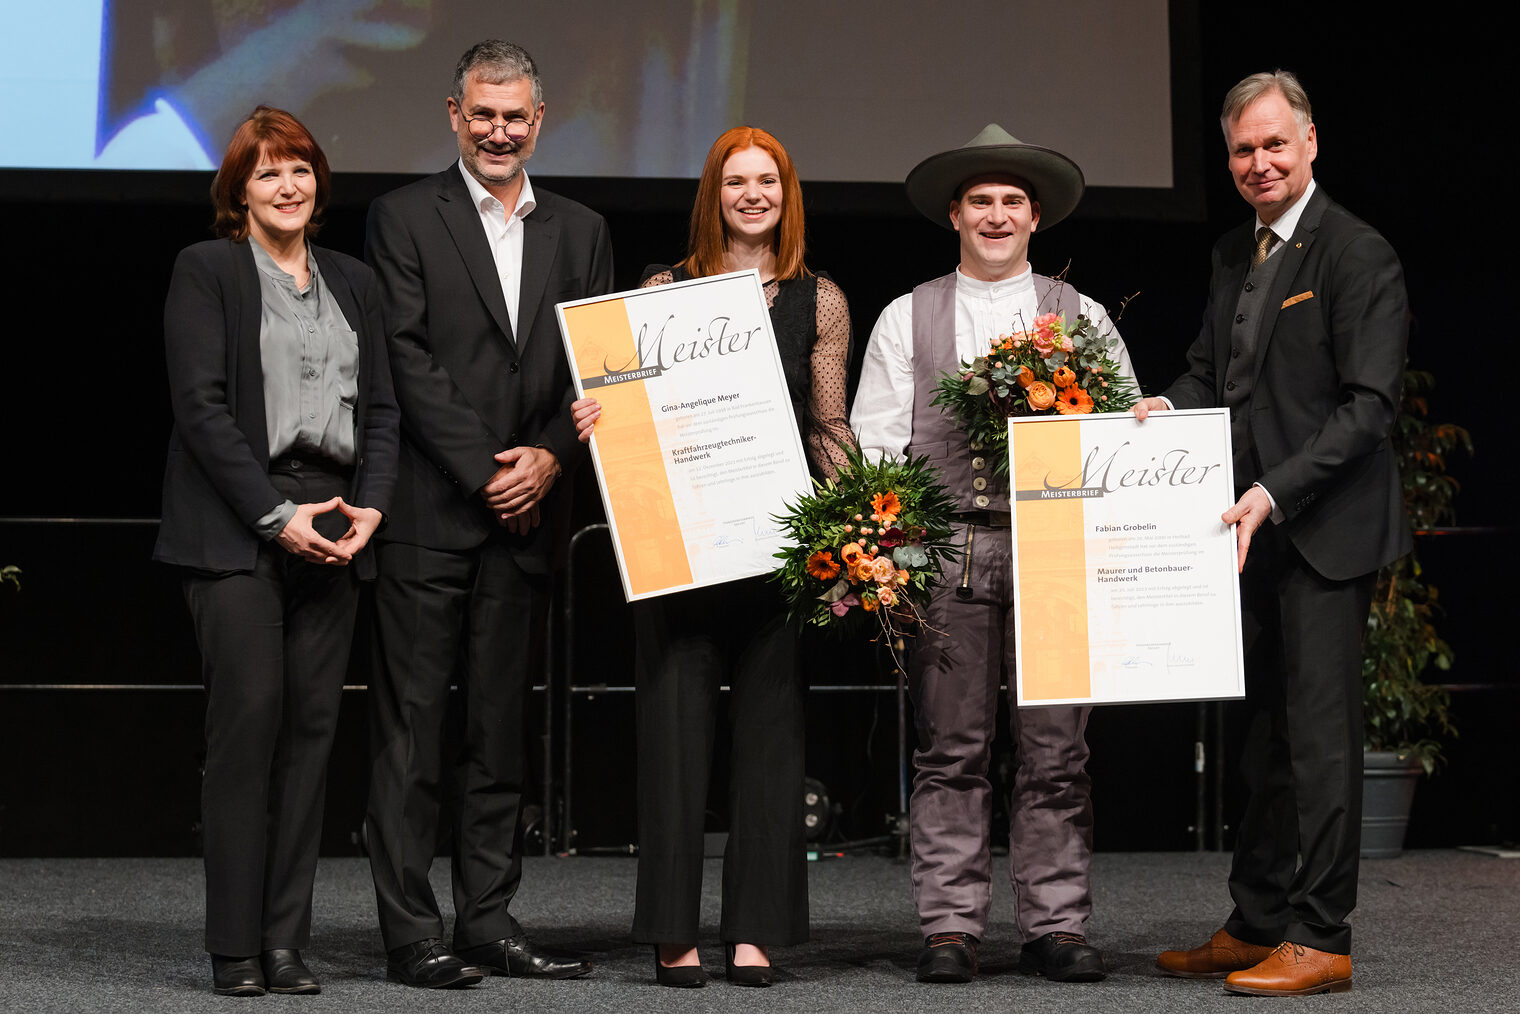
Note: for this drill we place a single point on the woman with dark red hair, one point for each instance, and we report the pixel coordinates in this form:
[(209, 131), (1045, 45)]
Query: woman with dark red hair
[(748, 214), (281, 465)]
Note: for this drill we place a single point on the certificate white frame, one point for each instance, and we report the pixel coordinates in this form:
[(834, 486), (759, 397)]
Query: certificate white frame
[(702, 353), (1159, 592)]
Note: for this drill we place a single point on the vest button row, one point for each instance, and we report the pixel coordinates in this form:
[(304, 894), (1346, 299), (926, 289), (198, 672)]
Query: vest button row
[(978, 462), (1240, 318), (979, 483), (976, 445), (981, 501)]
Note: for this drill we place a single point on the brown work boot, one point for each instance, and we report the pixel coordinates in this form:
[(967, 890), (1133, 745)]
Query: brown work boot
[(1219, 957), (1294, 970)]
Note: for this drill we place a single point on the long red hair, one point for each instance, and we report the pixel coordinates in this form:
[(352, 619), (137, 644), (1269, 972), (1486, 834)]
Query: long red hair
[(707, 242), (271, 133)]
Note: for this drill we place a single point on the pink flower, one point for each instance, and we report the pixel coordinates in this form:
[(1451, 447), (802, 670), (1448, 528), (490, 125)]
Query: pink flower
[(883, 570), (842, 606)]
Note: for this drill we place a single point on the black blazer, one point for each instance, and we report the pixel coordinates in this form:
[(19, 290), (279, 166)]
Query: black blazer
[(468, 387), (1329, 368), (216, 482)]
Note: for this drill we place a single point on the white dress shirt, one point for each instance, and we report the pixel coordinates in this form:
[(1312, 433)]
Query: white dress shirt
[(883, 415), (504, 234)]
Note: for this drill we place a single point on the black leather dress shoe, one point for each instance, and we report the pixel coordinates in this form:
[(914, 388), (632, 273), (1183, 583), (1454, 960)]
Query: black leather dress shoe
[(236, 976), (1063, 957), (428, 964), (947, 957), (285, 972), (517, 956)]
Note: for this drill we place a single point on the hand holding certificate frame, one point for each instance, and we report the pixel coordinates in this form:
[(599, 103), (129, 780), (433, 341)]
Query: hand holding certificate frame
[(696, 447), (1125, 583)]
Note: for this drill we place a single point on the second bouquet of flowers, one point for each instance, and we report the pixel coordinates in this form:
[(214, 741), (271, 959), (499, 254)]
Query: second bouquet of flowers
[(1053, 368), (869, 544)]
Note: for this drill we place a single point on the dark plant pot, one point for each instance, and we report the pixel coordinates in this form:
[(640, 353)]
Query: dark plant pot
[(1388, 782)]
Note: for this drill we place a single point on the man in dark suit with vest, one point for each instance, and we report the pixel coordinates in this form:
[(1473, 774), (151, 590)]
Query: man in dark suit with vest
[(994, 192), (1304, 340), (471, 262)]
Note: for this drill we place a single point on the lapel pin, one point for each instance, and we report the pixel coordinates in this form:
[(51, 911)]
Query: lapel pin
[(1298, 246)]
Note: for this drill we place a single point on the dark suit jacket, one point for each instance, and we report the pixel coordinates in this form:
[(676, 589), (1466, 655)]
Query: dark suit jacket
[(468, 387), (216, 483), (1328, 374)]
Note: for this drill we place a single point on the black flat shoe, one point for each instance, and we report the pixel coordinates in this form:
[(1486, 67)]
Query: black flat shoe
[(428, 964), (747, 975), (285, 972), (236, 976), (678, 976), (947, 957), (520, 958), (1062, 957)]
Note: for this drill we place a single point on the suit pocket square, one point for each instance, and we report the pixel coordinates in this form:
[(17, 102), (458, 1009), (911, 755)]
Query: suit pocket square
[(1297, 299)]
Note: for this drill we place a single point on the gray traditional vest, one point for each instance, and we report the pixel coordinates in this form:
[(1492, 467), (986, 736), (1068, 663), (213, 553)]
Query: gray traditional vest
[(967, 472)]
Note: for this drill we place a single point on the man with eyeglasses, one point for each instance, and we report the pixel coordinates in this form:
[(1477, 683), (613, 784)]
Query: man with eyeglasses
[(471, 262)]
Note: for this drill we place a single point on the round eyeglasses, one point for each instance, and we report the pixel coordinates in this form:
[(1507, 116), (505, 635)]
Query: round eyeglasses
[(483, 128)]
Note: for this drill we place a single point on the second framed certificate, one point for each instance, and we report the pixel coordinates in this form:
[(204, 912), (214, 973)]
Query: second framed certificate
[(697, 446), (1124, 576)]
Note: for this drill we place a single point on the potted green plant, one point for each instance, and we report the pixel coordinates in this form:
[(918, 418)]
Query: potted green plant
[(1402, 714)]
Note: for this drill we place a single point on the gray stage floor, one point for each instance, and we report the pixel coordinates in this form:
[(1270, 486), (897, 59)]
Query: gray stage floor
[(1435, 931)]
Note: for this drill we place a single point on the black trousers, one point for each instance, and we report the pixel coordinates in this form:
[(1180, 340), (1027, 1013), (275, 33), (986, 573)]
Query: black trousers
[(1297, 852), (441, 616), (274, 646), (688, 645)]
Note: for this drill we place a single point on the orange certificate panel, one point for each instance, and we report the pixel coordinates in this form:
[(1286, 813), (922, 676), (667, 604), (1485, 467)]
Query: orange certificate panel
[(1124, 577), (696, 448)]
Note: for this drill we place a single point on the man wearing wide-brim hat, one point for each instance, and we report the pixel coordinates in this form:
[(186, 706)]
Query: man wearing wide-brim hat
[(994, 192)]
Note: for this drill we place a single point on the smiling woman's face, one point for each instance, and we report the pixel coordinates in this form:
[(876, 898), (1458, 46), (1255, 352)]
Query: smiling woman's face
[(280, 195), (751, 194)]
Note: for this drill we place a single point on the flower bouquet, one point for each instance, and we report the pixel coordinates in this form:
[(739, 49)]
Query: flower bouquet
[(1055, 368), (869, 543)]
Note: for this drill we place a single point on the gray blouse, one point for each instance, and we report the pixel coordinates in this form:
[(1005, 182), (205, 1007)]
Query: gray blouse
[(310, 358)]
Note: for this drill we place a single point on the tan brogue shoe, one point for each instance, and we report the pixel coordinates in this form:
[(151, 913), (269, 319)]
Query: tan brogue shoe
[(1219, 957), (1294, 970)]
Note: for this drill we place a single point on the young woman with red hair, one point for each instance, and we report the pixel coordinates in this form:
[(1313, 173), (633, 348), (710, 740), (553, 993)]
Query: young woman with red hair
[(748, 214)]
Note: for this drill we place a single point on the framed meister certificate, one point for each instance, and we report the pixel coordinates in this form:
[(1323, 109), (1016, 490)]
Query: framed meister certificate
[(1125, 587), (696, 448)]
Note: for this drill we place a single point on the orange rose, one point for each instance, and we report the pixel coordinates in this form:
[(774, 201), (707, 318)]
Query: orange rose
[(822, 566), (868, 603), (887, 596), (1064, 377), (1025, 377), (1041, 395), (1046, 320), (1074, 401), (849, 553)]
